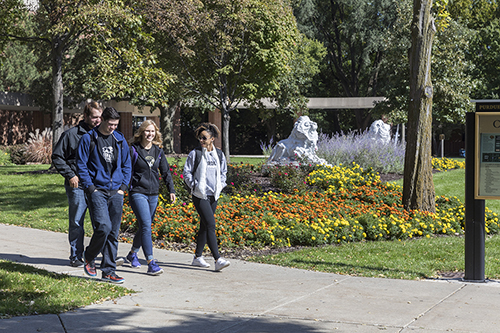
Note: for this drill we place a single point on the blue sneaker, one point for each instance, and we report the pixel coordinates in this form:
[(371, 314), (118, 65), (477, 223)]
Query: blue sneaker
[(112, 277), (134, 261), (154, 269)]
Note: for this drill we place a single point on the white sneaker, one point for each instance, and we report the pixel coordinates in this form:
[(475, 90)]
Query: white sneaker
[(220, 264), (200, 262), (119, 261)]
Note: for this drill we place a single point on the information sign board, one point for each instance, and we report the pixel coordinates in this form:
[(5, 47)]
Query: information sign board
[(487, 170)]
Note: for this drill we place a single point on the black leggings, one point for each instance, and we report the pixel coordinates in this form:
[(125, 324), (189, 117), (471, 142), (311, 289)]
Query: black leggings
[(206, 234)]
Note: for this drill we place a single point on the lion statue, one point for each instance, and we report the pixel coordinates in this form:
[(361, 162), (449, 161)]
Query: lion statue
[(380, 131), (301, 144)]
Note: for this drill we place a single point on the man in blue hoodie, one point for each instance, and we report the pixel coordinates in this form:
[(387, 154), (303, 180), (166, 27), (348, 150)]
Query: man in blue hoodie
[(104, 168)]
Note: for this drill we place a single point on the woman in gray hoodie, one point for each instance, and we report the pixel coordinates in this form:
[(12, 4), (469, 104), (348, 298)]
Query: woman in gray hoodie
[(205, 174)]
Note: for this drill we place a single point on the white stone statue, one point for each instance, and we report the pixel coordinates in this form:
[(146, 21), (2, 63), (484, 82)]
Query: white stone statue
[(380, 131), (301, 144)]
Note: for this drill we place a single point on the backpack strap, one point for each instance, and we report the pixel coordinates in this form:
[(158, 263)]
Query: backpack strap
[(197, 160), (92, 143), (135, 156)]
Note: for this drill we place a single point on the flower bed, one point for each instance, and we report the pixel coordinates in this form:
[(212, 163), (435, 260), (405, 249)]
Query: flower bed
[(350, 204), (444, 164)]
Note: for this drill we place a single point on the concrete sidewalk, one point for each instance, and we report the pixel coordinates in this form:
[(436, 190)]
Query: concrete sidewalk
[(249, 297)]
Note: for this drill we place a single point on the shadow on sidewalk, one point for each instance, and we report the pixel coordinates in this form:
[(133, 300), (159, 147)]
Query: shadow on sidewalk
[(19, 258), (169, 320)]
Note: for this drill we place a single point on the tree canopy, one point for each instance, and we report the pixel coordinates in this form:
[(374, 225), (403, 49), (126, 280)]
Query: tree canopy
[(356, 34), (69, 36), (225, 51)]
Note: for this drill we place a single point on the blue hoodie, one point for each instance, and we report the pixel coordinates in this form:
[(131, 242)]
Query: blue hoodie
[(92, 169)]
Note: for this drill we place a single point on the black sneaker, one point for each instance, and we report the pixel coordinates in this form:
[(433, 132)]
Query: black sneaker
[(89, 268), (77, 263), (113, 278)]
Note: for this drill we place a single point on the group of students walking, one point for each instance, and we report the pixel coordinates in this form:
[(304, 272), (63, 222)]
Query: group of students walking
[(99, 166)]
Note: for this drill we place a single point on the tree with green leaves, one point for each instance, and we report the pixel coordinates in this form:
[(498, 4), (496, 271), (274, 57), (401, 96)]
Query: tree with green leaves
[(224, 52), (18, 68), (482, 17), (485, 54), (289, 100), (356, 34), (474, 13), (102, 42), (452, 81)]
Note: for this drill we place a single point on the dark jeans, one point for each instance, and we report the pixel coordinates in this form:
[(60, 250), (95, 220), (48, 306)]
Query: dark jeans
[(76, 213), (144, 207), (106, 214), (206, 234)]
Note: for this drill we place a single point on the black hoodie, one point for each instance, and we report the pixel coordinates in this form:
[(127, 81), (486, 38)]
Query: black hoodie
[(64, 154), (145, 179)]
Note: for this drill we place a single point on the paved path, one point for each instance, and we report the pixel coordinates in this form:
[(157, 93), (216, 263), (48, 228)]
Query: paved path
[(250, 297)]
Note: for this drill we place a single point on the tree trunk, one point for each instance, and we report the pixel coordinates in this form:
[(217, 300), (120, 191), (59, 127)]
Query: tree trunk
[(225, 133), (270, 124), (57, 89), (418, 186), (167, 125)]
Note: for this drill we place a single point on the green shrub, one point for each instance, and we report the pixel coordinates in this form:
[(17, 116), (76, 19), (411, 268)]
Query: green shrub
[(17, 155), (240, 179), (181, 192), (5, 156), (289, 178)]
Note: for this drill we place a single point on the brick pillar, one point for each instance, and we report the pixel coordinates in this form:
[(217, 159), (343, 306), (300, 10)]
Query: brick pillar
[(125, 125), (215, 118)]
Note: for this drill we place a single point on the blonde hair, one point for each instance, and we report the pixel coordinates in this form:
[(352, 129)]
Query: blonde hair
[(138, 134)]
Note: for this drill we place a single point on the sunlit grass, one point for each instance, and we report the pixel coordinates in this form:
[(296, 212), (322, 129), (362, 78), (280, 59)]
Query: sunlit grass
[(26, 290), (410, 259)]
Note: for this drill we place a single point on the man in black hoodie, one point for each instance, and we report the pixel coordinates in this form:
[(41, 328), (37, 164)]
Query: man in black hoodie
[(64, 160)]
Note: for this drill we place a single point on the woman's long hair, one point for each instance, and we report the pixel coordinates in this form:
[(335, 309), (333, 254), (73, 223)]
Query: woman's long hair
[(138, 134)]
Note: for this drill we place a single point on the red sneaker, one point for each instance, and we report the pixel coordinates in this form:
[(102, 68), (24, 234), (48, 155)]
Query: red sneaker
[(89, 268), (113, 278)]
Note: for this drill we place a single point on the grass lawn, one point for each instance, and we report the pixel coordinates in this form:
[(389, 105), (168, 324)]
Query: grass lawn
[(411, 259), (33, 200), (26, 290)]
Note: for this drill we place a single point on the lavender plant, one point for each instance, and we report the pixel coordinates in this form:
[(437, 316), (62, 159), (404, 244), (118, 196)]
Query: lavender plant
[(267, 149), (362, 149)]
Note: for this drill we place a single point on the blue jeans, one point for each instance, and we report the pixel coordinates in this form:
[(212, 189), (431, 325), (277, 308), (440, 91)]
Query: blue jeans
[(106, 209), (77, 208), (144, 207)]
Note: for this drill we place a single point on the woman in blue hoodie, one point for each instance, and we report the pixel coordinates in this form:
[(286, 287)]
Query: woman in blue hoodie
[(205, 174), (147, 158)]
